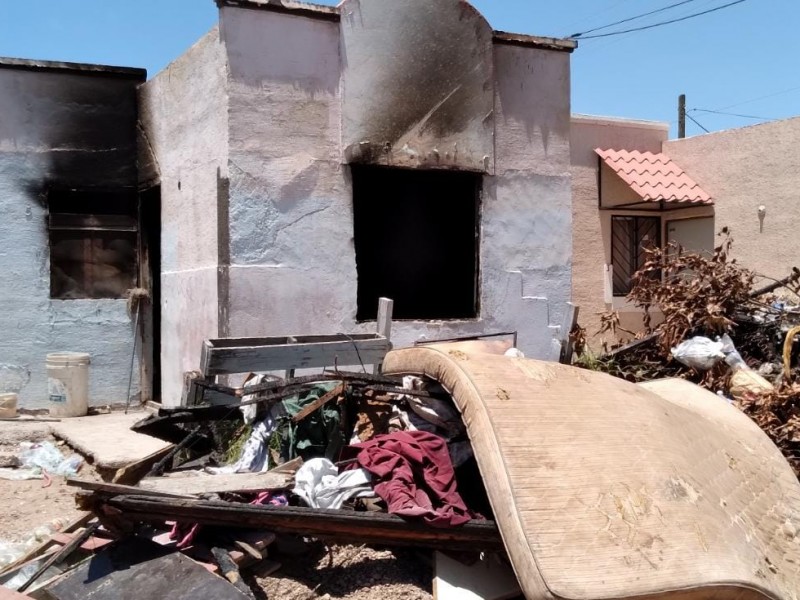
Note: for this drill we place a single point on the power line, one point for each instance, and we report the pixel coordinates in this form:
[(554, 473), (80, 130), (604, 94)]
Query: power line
[(794, 89), (729, 114), (642, 28), (696, 122), (652, 12)]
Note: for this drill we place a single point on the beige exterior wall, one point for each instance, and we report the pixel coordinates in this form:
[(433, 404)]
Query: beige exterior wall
[(591, 287), (743, 169)]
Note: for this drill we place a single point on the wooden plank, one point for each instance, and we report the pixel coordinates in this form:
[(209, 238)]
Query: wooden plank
[(344, 350), (385, 311), (132, 473), (183, 485), (288, 340), (334, 525), (76, 523), (113, 489), (319, 403)]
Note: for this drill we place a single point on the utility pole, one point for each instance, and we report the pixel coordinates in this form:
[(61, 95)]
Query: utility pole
[(682, 116)]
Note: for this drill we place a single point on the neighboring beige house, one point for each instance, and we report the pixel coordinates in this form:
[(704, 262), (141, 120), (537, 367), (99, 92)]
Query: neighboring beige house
[(744, 169), (633, 187)]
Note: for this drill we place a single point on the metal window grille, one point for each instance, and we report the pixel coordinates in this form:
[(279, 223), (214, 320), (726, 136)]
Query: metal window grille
[(630, 236)]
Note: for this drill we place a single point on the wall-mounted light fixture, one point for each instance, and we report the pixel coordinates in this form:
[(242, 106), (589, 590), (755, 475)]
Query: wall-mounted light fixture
[(762, 212)]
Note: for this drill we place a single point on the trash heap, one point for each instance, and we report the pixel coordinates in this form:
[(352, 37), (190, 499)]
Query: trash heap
[(707, 321), (348, 458)]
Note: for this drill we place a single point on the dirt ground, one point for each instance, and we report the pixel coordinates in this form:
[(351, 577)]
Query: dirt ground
[(26, 505), (348, 573)]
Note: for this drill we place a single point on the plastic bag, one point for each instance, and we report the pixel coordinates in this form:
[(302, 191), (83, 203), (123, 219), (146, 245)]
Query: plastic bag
[(744, 380), (42, 456), (699, 353)]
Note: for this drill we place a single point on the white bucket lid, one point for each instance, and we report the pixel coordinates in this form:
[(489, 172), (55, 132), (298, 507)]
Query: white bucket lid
[(68, 358)]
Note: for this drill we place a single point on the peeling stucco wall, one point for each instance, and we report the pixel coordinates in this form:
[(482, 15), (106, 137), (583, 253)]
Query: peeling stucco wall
[(743, 169), (69, 129), (184, 116), (292, 255)]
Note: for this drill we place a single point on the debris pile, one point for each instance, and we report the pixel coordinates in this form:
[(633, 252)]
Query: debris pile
[(706, 321), (346, 458)]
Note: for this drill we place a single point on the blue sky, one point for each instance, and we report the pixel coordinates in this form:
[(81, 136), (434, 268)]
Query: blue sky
[(742, 59)]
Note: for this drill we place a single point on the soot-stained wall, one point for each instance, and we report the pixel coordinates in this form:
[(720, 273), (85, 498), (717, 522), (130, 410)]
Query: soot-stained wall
[(66, 126), (304, 96)]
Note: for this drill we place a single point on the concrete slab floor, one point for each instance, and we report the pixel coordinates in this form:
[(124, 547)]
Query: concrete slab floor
[(14, 432), (107, 440)]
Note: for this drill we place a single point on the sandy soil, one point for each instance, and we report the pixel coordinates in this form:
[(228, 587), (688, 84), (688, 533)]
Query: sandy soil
[(349, 573), (26, 505)]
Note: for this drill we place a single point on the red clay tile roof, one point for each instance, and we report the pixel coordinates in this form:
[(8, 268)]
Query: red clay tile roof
[(654, 177)]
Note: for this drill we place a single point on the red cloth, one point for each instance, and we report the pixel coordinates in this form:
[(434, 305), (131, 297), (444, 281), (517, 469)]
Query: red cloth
[(415, 477)]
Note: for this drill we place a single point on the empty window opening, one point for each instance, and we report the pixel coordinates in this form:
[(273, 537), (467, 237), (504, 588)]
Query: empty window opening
[(93, 243), (630, 237), (416, 241)]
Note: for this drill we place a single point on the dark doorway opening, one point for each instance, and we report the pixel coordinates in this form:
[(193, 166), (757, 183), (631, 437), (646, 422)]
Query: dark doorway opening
[(150, 277), (416, 241)]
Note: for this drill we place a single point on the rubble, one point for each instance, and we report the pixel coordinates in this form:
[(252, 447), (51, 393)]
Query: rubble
[(748, 354)]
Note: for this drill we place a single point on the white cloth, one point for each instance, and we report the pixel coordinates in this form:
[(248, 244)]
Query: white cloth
[(255, 454), (320, 485)]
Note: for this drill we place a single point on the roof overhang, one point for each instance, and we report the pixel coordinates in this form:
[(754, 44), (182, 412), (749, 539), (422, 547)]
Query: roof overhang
[(655, 180)]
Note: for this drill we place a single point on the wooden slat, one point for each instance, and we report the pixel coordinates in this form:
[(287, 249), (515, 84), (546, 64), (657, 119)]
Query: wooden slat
[(319, 403), (187, 485), (334, 525), (301, 355), (115, 488)]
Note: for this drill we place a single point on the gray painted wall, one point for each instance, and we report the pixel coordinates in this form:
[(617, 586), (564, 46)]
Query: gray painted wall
[(293, 261), (273, 252), (184, 119), (71, 130)]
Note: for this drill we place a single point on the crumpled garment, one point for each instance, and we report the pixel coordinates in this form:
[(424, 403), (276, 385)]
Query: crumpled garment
[(250, 411), (319, 434), (320, 484), (437, 412), (255, 454), (415, 477)]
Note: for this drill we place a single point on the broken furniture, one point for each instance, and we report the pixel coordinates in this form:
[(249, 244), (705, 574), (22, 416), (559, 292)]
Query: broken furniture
[(233, 356)]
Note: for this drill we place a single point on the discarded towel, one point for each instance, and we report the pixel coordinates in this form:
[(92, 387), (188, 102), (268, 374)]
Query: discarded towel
[(415, 477)]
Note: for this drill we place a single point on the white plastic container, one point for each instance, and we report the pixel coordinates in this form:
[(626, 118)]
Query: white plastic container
[(68, 383), (8, 406)]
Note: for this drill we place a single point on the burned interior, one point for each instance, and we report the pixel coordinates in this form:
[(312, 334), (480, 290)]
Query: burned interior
[(93, 243), (417, 241)]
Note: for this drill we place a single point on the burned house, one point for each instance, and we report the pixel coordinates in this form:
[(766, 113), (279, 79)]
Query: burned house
[(311, 159), (70, 245), (293, 166)]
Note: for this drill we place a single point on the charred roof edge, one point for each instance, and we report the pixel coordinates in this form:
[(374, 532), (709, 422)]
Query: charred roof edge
[(305, 9), (69, 67), (535, 41)]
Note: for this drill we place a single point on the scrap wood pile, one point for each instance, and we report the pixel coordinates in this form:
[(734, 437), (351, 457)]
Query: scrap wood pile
[(341, 457), (707, 321)]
